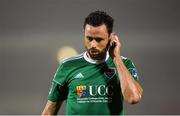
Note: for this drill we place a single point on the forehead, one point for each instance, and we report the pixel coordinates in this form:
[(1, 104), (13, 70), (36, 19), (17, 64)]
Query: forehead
[(96, 31)]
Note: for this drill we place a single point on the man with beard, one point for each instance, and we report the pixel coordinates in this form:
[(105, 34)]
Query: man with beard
[(97, 81)]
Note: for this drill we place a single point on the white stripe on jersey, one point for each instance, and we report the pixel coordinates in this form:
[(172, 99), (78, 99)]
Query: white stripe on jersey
[(73, 58)]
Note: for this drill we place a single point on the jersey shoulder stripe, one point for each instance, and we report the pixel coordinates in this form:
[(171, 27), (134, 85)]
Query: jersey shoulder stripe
[(57, 82), (73, 58), (124, 58)]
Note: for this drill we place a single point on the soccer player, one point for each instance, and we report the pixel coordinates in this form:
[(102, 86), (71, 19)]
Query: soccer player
[(98, 80)]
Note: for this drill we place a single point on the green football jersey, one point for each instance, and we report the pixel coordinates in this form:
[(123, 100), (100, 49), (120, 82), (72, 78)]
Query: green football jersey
[(89, 87)]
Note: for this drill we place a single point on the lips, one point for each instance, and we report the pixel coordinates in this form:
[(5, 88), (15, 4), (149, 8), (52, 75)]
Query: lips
[(93, 51)]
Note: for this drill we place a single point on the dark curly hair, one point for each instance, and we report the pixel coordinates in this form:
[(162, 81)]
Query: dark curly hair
[(98, 18)]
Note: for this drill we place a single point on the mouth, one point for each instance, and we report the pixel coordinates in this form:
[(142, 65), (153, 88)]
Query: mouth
[(93, 52)]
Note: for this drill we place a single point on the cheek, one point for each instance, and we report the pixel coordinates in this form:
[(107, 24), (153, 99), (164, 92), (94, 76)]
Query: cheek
[(103, 45), (86, 43)]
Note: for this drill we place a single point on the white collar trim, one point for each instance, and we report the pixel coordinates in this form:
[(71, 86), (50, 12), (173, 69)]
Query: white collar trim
[(90, 60)]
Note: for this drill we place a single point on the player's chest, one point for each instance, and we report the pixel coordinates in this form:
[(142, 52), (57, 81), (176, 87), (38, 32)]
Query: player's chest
[(91, 75), (92, 81)]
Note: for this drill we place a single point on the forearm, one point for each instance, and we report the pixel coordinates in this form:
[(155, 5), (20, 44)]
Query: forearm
[(130, 88), (51, 108)]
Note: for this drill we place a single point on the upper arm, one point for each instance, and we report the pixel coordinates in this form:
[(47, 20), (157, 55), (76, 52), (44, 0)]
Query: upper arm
[(57, 93), (131, 68)]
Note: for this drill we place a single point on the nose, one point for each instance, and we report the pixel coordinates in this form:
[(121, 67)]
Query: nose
[(93, 43)]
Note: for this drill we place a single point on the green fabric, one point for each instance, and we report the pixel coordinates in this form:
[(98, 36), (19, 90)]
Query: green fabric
[(90, 89)]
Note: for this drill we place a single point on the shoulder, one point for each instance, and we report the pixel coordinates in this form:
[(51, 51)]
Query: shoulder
[(131, 67), (127, 61), (66, 63), (74, 59)]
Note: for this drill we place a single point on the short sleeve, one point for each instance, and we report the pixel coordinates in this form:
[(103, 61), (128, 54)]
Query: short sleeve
[(131, 68), (60, 75), (58, 89), (57, 92)]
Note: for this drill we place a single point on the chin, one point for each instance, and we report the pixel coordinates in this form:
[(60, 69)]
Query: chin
[(97, 57), (94, 56)]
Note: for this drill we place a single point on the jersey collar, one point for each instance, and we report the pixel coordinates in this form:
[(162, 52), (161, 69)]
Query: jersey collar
[(95, 61)]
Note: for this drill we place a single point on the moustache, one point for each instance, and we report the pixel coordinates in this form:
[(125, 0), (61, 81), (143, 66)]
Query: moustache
[(93, 50)]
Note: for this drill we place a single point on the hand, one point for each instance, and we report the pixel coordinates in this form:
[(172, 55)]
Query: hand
[(114, 50)]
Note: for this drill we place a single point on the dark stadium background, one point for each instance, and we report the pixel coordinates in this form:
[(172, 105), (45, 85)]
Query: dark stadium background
[(32, 31)]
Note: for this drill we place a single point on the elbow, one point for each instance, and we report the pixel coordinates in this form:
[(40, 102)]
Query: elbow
[(45, 113), (134, 99)]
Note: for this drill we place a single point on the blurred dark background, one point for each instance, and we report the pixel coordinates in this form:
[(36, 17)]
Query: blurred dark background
[(32, 31)]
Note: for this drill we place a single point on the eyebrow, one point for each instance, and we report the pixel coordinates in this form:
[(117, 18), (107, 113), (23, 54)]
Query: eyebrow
[(99, 38)]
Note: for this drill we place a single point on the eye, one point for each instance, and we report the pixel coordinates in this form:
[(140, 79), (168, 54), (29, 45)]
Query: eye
[(89, 38), (98, 39)]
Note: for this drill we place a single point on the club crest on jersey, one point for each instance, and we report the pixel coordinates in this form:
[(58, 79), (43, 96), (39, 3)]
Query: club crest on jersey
[(134, 73), (81, 91), (109, 72)]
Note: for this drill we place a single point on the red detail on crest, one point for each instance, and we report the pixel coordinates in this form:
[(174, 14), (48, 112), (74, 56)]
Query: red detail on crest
[(109, 72)]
